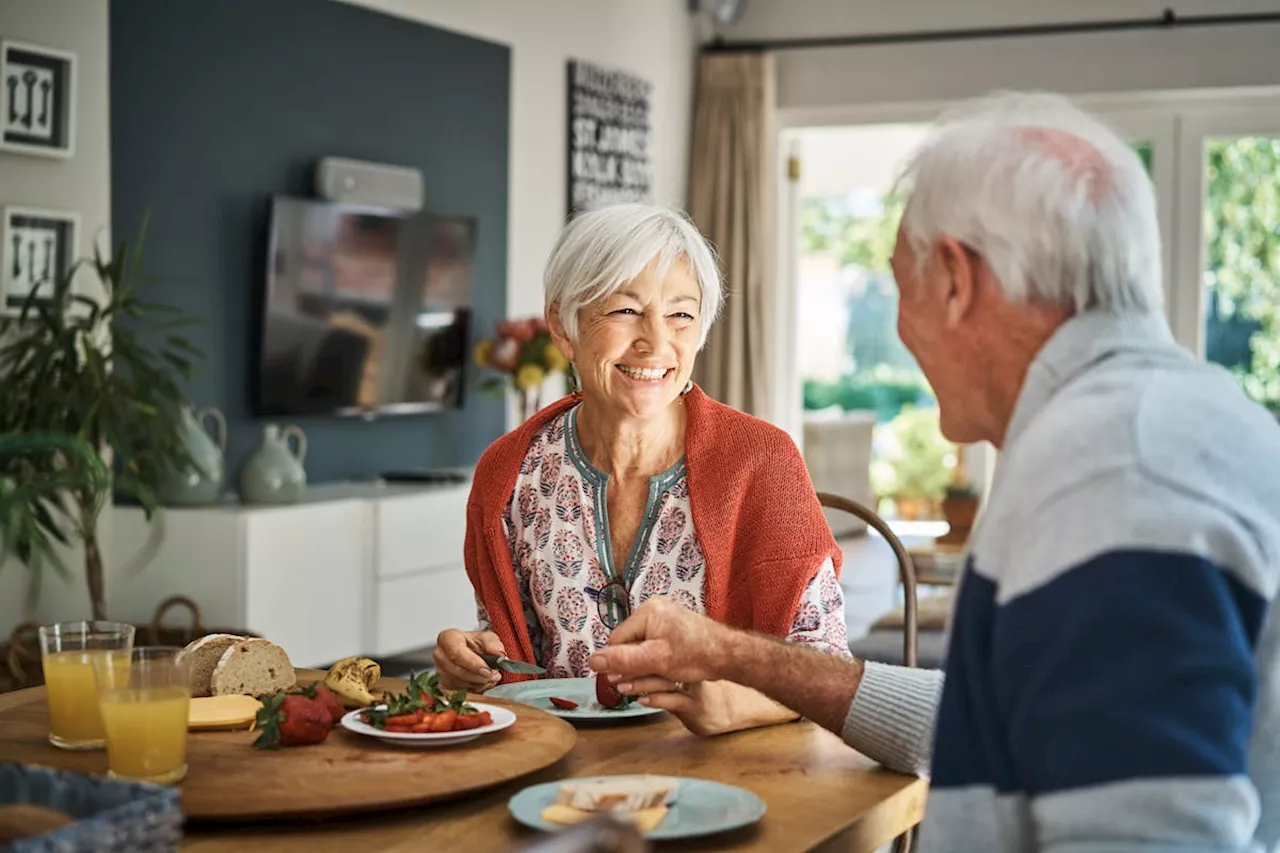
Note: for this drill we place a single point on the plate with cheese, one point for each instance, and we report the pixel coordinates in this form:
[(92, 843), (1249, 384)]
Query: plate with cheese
[(660, 807)]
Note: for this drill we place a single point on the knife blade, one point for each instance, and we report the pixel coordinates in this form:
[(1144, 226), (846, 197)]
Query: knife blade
[(506, 664)]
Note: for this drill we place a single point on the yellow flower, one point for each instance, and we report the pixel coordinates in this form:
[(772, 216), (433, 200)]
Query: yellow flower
[(483, 353), (554, 358), (529, 376)]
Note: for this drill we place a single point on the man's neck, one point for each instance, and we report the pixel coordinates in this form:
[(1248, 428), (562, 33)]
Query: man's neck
[(1023, 333)]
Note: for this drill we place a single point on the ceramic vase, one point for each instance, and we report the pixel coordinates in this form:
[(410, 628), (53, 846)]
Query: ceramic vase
[(529, 402), (201, 482), (274, 474)]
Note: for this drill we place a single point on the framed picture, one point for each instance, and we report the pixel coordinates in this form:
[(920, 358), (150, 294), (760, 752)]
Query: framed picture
[(37, 100), (609, 136), (38, 250)]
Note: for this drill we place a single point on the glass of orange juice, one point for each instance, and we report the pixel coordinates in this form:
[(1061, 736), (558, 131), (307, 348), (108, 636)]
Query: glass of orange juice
[(68, 650), (145, 700)]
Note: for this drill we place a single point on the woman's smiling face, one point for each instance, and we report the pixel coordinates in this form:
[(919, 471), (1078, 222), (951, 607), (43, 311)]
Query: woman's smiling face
[(636, 348)]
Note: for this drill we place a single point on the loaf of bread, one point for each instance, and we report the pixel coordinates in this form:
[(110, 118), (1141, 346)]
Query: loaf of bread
[(252, 667), (617, 793), (203, 655)]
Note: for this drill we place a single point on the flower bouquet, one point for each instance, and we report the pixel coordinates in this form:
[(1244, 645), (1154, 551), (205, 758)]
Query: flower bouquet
[(522, 352)]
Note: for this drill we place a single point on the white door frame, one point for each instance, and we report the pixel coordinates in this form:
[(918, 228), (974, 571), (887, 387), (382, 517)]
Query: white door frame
[(1262, 119)]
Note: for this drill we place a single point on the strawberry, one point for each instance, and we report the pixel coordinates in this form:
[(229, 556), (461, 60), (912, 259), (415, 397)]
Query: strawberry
[(564, 704), (291, 720), (443, 721), (327, 699), (608, 696)]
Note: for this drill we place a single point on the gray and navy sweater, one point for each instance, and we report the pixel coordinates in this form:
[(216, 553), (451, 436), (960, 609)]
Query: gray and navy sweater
[(1111, 680)]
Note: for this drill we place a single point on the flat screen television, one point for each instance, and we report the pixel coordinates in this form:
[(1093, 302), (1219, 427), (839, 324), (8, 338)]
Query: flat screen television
[(365, 311)]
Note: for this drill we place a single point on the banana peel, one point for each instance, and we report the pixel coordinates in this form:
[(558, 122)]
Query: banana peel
[(352, 680)]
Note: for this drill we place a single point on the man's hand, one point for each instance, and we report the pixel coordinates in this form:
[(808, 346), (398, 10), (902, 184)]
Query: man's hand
[(663, 643)]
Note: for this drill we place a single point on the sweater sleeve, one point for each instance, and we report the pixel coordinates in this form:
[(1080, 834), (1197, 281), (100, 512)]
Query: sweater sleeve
[(892, 716)]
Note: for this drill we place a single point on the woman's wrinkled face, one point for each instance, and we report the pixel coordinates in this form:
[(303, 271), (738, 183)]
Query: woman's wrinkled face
[(636, 348)]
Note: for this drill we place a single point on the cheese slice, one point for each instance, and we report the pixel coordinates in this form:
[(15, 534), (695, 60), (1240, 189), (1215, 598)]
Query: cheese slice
[(222, 712), (645, 820)]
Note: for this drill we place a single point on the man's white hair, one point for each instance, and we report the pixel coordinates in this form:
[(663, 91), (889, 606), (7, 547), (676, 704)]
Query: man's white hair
[(1057, 203), (604, 248)]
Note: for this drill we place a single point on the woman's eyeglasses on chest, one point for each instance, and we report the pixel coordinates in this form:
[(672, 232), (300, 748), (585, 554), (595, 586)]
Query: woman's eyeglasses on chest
[(613, 603)]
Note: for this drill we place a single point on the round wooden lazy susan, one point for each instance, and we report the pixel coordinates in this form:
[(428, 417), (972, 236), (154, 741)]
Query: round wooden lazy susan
[(229, 780)]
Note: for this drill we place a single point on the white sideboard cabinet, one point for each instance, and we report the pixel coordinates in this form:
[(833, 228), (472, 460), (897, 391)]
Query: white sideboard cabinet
[(365, 569)]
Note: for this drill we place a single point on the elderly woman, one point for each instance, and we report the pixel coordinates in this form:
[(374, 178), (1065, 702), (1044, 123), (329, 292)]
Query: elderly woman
[(641, 485)]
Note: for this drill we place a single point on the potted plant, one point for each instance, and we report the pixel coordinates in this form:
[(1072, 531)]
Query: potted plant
[(98, 373), (522, 352), (959, 505), (914, 463)]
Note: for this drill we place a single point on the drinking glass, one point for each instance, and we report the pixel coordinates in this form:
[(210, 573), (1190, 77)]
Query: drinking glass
[(67, 651), (145, 699)]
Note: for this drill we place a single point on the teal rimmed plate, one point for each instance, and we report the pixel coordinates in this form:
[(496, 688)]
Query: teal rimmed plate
[(701, 808), (581, 691)]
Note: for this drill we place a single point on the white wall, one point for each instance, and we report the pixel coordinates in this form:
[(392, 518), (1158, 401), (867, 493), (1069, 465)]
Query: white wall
[(655, 39), (831, 78), (81, 184)]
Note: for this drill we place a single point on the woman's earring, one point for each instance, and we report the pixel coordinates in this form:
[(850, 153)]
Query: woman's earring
[(688, 386)]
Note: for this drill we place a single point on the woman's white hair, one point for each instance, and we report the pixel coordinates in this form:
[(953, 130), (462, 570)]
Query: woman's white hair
[(604, 248), (1057, 203)]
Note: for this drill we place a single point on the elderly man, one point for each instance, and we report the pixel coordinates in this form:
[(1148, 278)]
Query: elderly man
[(1111, 677)]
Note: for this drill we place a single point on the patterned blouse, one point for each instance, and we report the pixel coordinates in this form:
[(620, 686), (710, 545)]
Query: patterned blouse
[(558, 531)]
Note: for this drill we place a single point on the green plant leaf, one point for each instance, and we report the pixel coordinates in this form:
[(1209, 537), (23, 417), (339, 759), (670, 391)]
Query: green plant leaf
[(105, 375)]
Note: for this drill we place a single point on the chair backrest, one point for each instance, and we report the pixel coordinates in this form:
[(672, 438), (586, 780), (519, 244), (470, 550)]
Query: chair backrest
[(906, 570)]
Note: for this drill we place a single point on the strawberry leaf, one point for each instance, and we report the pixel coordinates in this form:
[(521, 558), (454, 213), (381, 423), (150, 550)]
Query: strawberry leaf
[(268, 720)]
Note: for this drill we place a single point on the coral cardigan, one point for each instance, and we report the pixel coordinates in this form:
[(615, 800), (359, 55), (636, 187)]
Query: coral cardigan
[(755, 511)]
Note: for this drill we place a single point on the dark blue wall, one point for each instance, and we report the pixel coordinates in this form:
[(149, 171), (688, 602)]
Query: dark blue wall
[(215, 106)]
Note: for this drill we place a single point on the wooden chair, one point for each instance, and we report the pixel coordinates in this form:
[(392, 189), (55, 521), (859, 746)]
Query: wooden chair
[(907, 574), (906, 571)]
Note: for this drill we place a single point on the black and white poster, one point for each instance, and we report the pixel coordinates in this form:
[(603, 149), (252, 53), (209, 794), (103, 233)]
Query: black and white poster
[(37, 99), (609, 139), (38, 250)]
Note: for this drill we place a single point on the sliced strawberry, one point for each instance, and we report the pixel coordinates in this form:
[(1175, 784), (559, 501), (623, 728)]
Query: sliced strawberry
[(563, 704), (443, 721)]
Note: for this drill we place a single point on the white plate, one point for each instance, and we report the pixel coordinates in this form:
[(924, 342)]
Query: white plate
[(502, 718)]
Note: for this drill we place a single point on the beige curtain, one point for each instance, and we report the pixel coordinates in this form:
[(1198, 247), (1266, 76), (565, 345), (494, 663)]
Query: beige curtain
[(731, 173)]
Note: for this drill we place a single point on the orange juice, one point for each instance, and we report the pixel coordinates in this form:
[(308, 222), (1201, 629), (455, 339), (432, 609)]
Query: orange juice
[(147, 732), (74, 720)]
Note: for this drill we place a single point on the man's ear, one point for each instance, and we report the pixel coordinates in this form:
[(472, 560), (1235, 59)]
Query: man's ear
[(558, 335), (959, 267)]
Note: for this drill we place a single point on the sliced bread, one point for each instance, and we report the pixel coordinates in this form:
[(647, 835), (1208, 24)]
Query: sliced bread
[(617, 793), (645, 821), (203, 655), (252, 667)]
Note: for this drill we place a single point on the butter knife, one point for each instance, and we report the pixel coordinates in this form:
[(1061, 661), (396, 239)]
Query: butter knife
[(506, 664)]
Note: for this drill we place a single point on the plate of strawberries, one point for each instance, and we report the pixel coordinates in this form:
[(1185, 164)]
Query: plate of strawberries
[(427, 716)]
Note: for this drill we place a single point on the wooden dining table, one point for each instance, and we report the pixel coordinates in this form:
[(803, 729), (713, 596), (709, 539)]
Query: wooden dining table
[(820, 796)]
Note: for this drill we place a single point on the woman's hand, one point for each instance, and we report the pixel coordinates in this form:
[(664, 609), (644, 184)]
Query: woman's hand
[(459, 663), (709, 707), (703, 708)]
